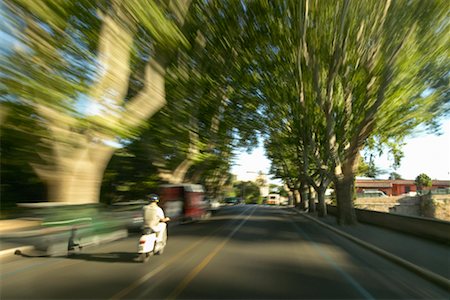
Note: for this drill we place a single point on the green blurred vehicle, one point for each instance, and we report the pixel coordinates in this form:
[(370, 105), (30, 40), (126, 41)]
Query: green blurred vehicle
[(60, 223)]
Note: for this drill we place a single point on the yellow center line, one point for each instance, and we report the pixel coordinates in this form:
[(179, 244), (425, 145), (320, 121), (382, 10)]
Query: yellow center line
[(149, 275), (205, 262)]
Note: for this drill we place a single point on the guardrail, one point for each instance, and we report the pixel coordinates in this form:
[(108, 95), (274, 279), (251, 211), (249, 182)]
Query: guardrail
[(432, 229)]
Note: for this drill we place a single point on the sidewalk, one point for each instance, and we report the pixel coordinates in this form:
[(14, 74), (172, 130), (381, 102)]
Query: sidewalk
[(430, 258)]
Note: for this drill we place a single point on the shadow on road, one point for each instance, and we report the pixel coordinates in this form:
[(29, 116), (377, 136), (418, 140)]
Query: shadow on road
[(20, 253), (111, 257)]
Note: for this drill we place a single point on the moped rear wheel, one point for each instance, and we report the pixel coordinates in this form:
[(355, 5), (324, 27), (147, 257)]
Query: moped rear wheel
[(143, 257)]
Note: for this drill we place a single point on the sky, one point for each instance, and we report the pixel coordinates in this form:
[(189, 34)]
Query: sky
[(425, 153)]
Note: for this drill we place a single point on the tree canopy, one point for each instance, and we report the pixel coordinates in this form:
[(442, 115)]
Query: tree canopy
[(423, 180)]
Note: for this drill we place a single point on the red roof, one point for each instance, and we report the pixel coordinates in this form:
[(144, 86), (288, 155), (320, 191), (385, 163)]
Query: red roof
[(362, 183), (386, 183)]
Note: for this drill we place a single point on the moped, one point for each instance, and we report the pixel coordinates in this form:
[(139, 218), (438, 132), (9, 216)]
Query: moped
[(150, 243)]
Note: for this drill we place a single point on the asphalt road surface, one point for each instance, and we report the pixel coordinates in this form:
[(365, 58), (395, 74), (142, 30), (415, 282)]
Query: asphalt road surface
[(243, 252)]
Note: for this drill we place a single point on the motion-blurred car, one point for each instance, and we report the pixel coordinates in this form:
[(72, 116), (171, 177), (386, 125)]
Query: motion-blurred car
[(130, 212), (57, 223)]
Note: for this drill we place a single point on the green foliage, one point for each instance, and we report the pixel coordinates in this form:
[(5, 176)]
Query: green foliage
[(18, 147), (423, 180), (279, 190), (130, 175), (395, 176), (248, 191), (210, 108), (368, 169)]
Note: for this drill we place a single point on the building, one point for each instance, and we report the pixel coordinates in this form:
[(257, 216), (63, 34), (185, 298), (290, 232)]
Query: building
[(396, 187), (263, 183)]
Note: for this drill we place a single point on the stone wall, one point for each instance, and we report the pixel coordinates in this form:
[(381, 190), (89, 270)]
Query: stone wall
[(435, 206), (430, 206)]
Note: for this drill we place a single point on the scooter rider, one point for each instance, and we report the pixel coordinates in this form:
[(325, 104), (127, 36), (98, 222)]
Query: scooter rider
[(154, 218)]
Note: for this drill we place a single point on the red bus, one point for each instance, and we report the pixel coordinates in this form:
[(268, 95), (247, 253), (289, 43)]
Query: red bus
[(183, 202)]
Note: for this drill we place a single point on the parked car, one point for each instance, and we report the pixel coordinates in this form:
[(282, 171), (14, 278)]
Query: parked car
[(231, 201), (373, 194)]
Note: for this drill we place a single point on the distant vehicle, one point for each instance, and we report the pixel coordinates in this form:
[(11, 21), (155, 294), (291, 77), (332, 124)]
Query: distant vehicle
[(213, 204), (184, 202), (273, 199), (373, 194), (231, 200)]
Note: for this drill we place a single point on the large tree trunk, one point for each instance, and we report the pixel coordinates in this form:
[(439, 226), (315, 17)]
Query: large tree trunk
[(303, 196), (344, 184), (311, 201), (75, 167), (321, 206), (344, 198), (296, 196), (291, 199), (76, 178), (179, 174)]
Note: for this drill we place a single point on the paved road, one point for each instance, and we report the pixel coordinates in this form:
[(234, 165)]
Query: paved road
[(244, 252)]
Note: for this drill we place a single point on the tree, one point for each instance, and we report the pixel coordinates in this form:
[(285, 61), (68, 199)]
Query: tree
[(273, 188), (248, 191), (368, 169), (112, 57), (423, 180), (210, 105), (395, 176), (363, 68)]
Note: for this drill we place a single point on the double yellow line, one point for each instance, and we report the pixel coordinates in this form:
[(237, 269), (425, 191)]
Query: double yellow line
[(185, 282)]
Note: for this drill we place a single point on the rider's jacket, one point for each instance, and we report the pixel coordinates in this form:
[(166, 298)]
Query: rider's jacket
[(153, 214)]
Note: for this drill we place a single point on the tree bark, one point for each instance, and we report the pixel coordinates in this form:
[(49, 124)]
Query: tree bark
[(78, 178), (297, 200), (311, 200), (179, 174), (321, 206), (344, 197), (303, 196)]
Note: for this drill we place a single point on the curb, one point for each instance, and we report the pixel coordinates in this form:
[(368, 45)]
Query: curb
[(424, 273), (12, 251)]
